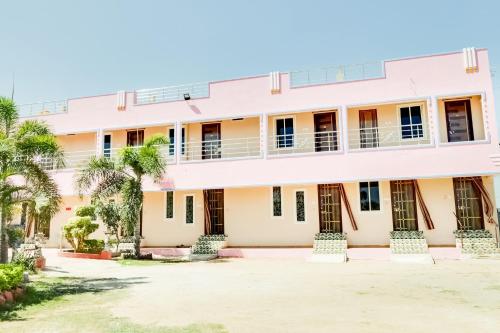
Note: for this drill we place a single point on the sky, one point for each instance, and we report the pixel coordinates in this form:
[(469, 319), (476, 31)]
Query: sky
[(61, 49)]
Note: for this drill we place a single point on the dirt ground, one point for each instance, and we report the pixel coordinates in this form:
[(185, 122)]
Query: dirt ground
[(293, 295)]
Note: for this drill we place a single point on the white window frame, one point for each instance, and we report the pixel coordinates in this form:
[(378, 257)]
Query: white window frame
[(111, 143), (275, 133), (295, 205), (422, 111), (194, 208), (169, 143), (165, 206), (272, 204), (381, 201)]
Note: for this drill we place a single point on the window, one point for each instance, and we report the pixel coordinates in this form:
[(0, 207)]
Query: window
[(300, 211), (369, 196), (171, 141), (169, 204), (189, 209), (135, 138), (277, 201), (183, 140), (411, 122), (284, 132), (107, 145)]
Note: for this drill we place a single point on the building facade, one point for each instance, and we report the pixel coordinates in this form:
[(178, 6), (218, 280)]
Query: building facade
[(271, 160)]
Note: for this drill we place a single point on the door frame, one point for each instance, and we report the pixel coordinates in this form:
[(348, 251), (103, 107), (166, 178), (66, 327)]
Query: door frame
[(481, 208), (468, 114), (414, 204), (203, 127), (333, 117), (337, 185)]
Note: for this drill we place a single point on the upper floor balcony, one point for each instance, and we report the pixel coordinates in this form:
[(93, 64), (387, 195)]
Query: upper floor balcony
[(337, 123)]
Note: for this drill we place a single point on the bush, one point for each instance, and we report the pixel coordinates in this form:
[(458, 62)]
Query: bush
[(93, 246), (11, 276), (88, 210), (15, 235), (77, 231), (26, 261)]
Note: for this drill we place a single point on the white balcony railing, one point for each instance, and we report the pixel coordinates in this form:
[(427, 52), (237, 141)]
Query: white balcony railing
[(221, 149), (334, 74), (172, 93), (168, 151), (303, 143), (43, 108), (390, 136)]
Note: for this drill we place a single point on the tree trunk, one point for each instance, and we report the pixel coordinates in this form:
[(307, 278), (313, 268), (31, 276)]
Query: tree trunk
[(137, 234), (4, 247)]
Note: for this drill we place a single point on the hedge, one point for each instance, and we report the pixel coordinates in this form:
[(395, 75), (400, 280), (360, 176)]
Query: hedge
[(11, 276)]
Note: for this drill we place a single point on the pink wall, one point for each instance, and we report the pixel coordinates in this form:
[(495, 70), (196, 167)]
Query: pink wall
[(414, 78)]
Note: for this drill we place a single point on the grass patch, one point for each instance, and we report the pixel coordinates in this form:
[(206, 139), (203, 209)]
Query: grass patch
[(81, 305)]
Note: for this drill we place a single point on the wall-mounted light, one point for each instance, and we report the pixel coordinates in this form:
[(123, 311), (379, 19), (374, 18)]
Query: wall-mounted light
[(187, 97)]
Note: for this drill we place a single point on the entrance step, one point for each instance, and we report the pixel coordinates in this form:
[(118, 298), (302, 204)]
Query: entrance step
[(330, 247), (409, 246), (476, 243), (207, 247)]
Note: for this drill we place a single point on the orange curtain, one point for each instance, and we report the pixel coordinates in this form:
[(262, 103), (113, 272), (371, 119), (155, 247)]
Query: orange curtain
[(423, 207), (348, 207), (208, 224)]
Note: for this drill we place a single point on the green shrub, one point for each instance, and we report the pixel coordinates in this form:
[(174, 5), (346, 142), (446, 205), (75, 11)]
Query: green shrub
[(15, 235), (11, 276), (25, 260), (77, 231), (93, 246), (88, 210)]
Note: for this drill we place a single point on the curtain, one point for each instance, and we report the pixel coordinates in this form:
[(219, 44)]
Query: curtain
[(486, 198), (208, 222), (348, 207), (423, 207)]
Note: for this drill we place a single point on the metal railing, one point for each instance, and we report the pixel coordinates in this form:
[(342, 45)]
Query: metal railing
[(334, 74), (43, 108), (221, 149), (303, 143), (72, 160), (388, 136), (172, 93)]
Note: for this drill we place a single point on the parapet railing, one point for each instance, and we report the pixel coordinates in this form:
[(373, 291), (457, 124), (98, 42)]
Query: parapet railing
[(221, 149), (335, 74), (43, 108), (171, 93), (388, 136)]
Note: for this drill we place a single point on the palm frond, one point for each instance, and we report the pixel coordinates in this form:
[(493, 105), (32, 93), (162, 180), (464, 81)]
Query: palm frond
[(152, 162), (99, 170), (156, 140), (8, 115)]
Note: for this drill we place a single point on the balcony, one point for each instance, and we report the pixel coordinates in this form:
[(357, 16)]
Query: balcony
[(389, 136), (303, 143), (221, 149)]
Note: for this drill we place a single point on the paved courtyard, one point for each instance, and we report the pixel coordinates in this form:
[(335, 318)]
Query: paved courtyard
[(292, 295)]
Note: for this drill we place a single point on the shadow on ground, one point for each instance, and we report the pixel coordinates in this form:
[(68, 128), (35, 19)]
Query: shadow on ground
[(44, 290)]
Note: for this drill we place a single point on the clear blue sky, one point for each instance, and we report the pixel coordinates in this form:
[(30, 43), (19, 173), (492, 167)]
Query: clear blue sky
[(61, 49)]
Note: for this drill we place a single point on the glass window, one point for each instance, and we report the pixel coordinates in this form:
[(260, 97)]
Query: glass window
[(300, 206), (171, 141), (189, 209), (183, 140), (277, 201), (284, 132), (411, 122), (369, 196), (107, 145), (169, 204)]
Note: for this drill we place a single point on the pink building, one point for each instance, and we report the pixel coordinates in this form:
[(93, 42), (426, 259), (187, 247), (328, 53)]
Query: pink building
[(272, 160)]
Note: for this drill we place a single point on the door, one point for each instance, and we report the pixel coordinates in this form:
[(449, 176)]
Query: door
[(135, 138), (211, 146), (214, 211), (325, 132), (468, 204), (404, 207), (330, 208), (459, 121), (368, 128)]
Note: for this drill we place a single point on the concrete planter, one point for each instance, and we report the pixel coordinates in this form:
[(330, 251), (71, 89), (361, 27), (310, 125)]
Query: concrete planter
[(40, 263), (104, 255)]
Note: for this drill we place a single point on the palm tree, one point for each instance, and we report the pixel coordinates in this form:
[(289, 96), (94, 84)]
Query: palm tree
[(22, 179), (106, 177)]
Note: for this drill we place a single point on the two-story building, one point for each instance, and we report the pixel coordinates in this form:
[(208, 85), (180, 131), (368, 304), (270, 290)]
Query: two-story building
[(271, 160)]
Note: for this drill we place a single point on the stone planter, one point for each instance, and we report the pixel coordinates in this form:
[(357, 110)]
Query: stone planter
[(40, 262), (9, 297), (104, 255)]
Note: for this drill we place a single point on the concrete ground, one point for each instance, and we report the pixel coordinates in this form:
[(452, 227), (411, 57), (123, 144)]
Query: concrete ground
[(293, 295)]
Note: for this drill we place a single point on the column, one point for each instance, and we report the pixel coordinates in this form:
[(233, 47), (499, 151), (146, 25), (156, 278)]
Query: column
[(344, 130), (178, 141), (434, 126), (99, 142), (264, 135)]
